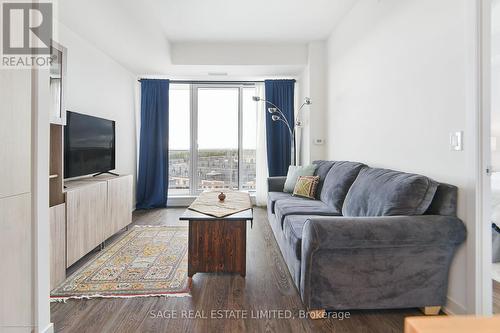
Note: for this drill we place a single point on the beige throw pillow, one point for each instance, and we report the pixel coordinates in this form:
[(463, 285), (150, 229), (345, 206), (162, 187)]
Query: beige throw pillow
[(306, 187)]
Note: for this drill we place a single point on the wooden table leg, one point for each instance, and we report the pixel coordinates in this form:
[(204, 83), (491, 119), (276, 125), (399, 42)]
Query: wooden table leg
[(243, 245)]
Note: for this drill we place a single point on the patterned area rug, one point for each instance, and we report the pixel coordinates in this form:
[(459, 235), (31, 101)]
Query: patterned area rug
[(147, 261)]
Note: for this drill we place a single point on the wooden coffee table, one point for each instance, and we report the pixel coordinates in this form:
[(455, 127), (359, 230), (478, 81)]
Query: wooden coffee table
[(217, 244)]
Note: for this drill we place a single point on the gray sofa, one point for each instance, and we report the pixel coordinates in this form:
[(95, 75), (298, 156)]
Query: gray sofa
[(372, 239)]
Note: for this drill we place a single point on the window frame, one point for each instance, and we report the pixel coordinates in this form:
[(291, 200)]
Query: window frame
[(193, 144)]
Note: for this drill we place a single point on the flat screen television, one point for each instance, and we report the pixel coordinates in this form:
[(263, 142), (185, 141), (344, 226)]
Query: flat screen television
[(89, 145)]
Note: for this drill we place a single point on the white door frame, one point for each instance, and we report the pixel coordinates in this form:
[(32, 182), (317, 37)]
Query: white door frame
[(485, 245), (478, 87)]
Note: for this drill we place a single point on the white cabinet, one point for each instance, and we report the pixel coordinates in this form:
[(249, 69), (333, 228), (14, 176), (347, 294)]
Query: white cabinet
[(15, 132), (85, 219), (57, 84), (17, 305), (57, 252), (119, 204), (96, 208), (16, 280)]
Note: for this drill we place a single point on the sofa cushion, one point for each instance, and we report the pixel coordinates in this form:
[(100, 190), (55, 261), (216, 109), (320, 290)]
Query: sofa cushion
[(337, 183), (322, 170), (383, 192), (444, 201), (299, 206), (292, 229), (294, 172), (272, 197)]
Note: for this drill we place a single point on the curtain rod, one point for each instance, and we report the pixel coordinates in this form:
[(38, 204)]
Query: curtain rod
[(201, 82)]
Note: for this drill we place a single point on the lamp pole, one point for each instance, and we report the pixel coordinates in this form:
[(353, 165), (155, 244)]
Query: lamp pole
[(278, 115), (298, 122)]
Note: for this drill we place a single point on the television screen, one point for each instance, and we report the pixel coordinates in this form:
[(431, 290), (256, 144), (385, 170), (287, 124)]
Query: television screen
[(89, 145)]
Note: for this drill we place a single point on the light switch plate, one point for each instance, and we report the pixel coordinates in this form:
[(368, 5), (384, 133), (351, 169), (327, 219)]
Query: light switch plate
[(456, 141), (319, 141)]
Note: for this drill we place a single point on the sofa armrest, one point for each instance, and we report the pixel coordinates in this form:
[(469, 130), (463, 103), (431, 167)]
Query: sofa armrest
[(386, 231), (377, 262), (276, 184)]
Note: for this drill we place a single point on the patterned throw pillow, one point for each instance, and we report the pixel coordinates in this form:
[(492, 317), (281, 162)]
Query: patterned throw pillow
[(306, 187)]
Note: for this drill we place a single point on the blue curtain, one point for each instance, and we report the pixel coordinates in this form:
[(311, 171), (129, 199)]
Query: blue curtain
[(152, 180), (279, 148)]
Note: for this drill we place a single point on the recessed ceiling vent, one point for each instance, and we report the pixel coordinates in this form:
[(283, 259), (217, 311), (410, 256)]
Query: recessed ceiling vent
[(217, 73)]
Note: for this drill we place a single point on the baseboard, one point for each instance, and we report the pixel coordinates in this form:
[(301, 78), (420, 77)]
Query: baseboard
[(453, 308), (48, 329)]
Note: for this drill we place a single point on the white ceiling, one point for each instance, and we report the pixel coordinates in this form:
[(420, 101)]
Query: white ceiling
[(138, 33), (243, 20)]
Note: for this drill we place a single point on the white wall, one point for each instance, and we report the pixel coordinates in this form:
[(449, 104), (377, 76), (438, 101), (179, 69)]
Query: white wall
[(191, 53), (495, 112), (397, 73), (99, 86), (495, 83), (122, 29), (303, 89), (313, 84)]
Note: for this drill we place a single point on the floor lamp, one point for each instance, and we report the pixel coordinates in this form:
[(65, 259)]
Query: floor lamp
[(278, 115)]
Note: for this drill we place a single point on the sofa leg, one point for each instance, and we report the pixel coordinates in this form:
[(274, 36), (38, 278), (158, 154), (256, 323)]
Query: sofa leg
[(431, 310), (317, 314)]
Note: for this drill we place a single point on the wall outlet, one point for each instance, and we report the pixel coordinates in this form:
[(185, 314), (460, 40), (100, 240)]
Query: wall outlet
[(456, 141), (319, 141)]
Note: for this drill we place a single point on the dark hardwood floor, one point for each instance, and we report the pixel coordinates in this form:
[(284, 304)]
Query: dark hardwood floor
[(267, 286)]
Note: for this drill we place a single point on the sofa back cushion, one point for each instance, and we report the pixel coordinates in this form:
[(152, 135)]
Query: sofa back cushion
[(337, 183), (382, 192), (444, 201), (322, 170)]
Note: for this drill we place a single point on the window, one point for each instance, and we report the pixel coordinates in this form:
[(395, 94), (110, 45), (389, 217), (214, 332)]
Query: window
[(212, 138), (217, 154), (249, 140), (179, 154)]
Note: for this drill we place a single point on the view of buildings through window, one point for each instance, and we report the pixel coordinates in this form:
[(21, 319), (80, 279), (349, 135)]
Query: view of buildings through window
[(224, 156)]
